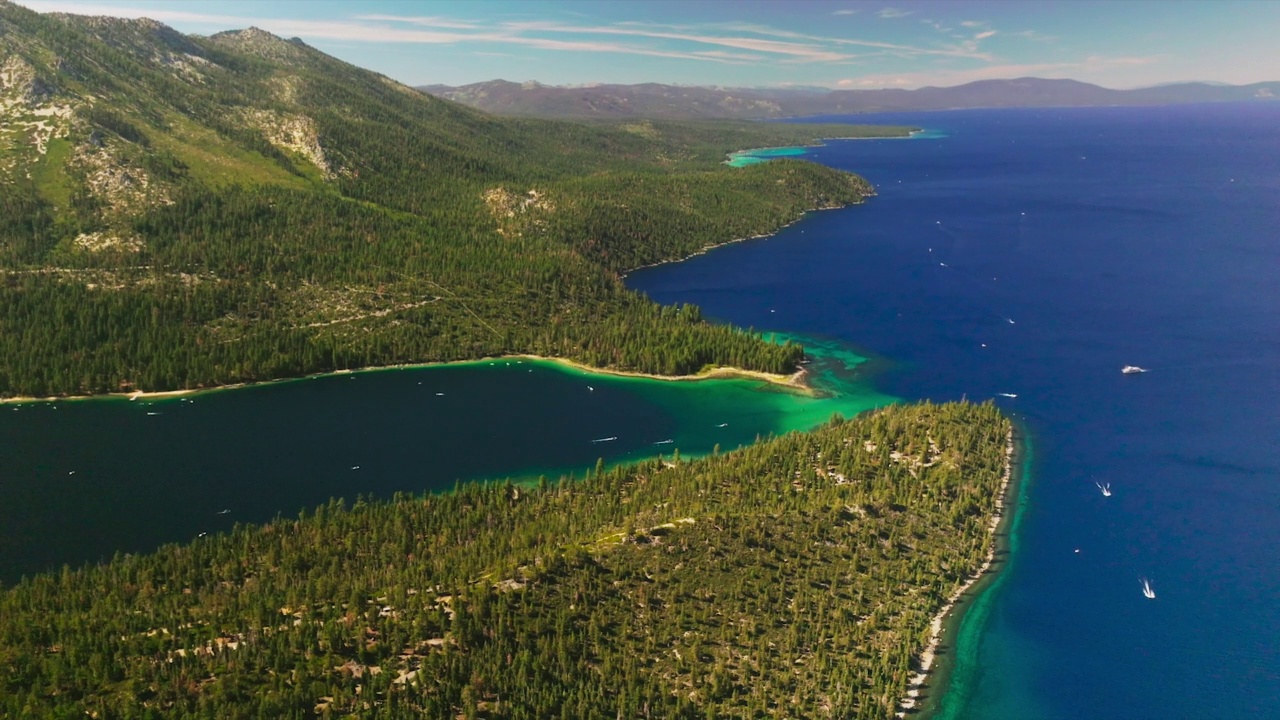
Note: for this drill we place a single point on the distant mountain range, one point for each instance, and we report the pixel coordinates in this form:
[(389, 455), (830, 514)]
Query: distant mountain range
[(675, 101)]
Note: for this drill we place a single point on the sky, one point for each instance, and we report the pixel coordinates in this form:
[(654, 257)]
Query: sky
[(844, 44)]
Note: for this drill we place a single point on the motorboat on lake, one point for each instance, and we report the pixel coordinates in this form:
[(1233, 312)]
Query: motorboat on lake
[(1132, 370)]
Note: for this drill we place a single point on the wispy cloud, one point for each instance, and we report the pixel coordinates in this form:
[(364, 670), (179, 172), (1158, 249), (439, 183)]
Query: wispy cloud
[(802, 51), (845, 11), (890, 13), (429, 21), (898, 49), (724, 55), (969, 43)]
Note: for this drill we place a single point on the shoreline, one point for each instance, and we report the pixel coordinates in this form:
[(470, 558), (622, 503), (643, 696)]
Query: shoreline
[(821, 142), (946, 623), (760, 236), (795, 382)]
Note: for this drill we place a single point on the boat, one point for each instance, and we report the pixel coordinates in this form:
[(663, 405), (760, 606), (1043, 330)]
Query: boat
[(664, 442), (1132, 370), (723, 425), (608, 439), (1105, 488), (1147, 591), (1008, 395)]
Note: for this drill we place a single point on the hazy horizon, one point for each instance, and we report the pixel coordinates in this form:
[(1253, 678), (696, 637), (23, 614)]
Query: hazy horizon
[(801, 86)]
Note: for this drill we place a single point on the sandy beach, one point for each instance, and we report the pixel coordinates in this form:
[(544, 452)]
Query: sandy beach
[(794, 382), (936, 628)]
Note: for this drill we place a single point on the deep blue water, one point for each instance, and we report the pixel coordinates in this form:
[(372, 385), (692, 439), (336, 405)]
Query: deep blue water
[(1108, 236)]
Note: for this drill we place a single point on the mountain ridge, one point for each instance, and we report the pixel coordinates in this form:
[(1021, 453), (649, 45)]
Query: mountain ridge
[(683, 102), (184, 211)]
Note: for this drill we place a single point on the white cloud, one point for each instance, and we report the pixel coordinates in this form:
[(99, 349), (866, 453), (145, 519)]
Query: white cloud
[(845, 11), (891, 13), (431, 21), (798, 51), (896, 49), (984, 35), (724, 55)]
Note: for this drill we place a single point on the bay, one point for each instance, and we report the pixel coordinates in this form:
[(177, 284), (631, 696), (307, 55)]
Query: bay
[(85, 479)]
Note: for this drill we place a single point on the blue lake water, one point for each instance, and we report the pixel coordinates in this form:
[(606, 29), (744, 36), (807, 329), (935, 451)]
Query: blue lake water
[(1036, 252)]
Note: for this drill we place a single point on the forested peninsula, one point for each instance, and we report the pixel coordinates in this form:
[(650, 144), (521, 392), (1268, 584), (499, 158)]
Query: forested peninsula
[(796, 577), (182, 212)]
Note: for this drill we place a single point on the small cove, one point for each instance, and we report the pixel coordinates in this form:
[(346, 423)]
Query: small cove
[(87, 478)]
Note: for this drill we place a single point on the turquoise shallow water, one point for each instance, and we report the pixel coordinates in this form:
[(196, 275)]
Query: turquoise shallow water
[(751, 157), (960, 658), (84, 479)]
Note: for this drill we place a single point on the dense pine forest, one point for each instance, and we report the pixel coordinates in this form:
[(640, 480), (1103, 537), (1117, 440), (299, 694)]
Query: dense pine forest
[(792, 578), (183, 211)]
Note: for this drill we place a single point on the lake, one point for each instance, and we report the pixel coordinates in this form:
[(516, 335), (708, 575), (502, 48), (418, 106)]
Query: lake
[(1035, 253)]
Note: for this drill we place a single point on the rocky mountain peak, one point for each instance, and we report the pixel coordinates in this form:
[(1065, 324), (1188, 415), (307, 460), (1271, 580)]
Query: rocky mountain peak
[(259, 42)]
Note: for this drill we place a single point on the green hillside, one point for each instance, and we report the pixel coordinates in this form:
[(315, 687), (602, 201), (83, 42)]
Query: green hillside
[(183, 211), (793, 578)]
